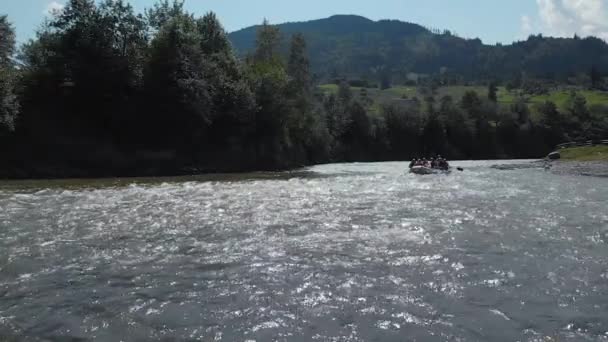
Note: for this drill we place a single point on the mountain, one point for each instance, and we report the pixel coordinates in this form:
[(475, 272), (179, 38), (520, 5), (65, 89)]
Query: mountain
[(356, 47)]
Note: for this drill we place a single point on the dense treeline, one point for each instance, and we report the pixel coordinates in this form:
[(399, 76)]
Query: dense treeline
[(103, 90), (472, 127)]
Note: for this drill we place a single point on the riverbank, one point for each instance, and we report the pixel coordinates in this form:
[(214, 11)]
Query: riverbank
[(87, 160), (584, 161), (585, 153)]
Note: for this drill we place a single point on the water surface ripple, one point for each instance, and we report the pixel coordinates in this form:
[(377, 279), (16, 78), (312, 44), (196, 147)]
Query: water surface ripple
[(359, 252)]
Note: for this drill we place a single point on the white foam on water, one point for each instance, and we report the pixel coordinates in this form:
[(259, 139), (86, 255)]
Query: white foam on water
[(493, 282), (266, 325), (384, 325), (499, 313), (409, 318)]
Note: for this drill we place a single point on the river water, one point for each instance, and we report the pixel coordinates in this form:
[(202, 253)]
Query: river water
[(344, 252)]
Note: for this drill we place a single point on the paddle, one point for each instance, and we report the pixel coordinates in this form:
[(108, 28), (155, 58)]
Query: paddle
[(460, 169)]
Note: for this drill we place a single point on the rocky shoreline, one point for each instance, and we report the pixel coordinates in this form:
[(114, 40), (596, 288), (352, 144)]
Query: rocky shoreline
[(562, 167), (582, 168)]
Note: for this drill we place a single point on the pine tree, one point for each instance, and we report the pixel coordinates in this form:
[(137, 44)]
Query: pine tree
[(213, 36), (267, 43), (298, 67)]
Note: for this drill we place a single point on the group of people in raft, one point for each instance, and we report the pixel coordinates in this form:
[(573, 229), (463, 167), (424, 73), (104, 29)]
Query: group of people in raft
[(433, 163)]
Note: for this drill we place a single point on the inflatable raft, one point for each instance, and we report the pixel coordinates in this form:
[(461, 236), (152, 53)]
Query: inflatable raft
[(423, 170)]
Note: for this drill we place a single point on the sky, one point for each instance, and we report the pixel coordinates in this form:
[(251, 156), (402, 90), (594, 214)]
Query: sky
[(493, 21)]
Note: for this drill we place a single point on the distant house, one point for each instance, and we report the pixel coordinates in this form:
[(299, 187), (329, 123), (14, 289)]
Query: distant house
[(415, 77)]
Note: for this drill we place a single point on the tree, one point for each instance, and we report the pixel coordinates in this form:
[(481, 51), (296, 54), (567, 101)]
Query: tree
[(126, 32), (521, 110), (163, 11), (596, 78), (345, 94), (308, 131), (213, 36), (492, 92), (357, 137), (576, 105), (550, 116), (579, 115), (553, 123), (514, 82), (402, 131), (298, 67), (181, 105), (84, 71), (430, 105), (446, 107), (267, 43), (9, 107), (7, 42), (385, 80), (124, 49), (599, 117), (433, 136), (338, 116), (471, 104), (368, 101), (458, 132), (77, 14), (233, 100), (269, 82), (508, 133), (478, 113)]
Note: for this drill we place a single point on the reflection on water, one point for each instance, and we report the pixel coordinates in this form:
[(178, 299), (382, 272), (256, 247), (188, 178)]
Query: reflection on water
[(347, 252)]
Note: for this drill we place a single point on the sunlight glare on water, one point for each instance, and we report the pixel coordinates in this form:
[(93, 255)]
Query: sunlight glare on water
[(345, 252)]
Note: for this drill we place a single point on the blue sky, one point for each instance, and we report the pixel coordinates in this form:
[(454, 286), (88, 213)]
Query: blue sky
[(491, 20)]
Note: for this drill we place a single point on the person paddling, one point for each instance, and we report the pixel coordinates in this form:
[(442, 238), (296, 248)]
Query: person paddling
[(443, 164)]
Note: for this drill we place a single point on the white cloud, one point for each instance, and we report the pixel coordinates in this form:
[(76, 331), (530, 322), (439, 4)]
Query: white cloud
[(526, 24), (53, 8), (527, 27), (564, 18)]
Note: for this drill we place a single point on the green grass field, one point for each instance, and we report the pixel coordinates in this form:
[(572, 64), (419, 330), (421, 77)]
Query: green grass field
[(586, 153), (456, 92)]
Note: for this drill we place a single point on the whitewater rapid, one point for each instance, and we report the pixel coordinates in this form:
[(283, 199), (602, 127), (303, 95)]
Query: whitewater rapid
[(341, 252)]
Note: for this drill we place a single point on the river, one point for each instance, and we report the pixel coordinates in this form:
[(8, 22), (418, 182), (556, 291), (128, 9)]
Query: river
[(343, 252)]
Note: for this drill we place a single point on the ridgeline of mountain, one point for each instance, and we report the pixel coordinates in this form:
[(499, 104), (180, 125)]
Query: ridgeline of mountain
[(354, 46)]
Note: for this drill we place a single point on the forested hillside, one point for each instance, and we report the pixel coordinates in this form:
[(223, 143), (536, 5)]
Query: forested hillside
[(356, 47)]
